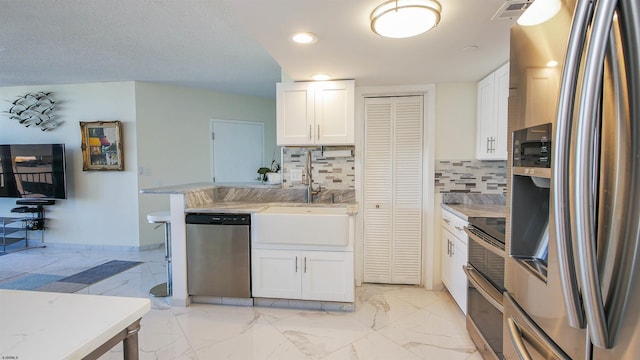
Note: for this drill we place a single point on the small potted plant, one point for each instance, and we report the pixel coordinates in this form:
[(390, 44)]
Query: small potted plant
[(271, 174)]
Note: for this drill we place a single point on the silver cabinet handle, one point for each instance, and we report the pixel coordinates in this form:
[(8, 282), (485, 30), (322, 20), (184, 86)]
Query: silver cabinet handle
[(309, 131), (446, 220), (305, 265), (449, 247), (488, 146), (452, 247), (318, 134), (585, 182), (296, 264), (516, 338), (561, 155)]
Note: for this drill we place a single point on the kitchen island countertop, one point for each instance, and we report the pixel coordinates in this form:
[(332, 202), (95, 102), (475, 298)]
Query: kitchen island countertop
[(249, 207)]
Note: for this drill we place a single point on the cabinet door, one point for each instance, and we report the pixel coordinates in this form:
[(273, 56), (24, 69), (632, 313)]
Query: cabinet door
[(458, 276), (446, 265), (502, 111), (276, 274), (487, 121), (295, 114), (327, 276), (334, 113), (493, 98)]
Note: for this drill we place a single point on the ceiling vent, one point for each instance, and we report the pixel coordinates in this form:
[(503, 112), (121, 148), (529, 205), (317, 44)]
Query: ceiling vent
[(511, 9)]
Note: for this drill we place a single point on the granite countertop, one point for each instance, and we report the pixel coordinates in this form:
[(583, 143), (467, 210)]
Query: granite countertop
[(248, 207), (185, 188), (465, 211)]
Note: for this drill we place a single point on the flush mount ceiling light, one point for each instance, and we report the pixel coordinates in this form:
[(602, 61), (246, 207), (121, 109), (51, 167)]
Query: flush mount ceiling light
[(405, 18), (304, 38), (539, 12), (321, 77)]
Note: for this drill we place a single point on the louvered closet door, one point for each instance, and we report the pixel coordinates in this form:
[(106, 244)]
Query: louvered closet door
[(377, 190), (407, 191), (392, 190)]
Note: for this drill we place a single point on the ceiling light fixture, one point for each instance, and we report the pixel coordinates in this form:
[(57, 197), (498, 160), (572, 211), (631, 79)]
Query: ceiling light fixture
[(405, 18), (304, 38), (321, 77), (539, 12)]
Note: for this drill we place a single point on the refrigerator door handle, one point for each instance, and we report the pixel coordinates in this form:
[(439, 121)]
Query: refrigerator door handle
[(584, 224), (622, 61), (562, 212)]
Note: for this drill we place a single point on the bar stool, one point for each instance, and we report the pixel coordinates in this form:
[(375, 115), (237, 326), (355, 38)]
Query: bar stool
[(163, 218)]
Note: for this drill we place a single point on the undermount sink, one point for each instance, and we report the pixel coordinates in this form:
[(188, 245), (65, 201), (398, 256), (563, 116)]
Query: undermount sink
[(304, 225)]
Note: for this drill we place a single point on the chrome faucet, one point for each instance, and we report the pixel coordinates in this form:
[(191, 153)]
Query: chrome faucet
[(309, 180)]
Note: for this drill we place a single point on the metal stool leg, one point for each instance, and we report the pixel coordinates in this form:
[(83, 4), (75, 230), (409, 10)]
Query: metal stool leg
[(165, 289)]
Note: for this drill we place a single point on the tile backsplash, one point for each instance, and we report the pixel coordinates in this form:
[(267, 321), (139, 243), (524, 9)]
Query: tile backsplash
[(333, 173), (471, 176)]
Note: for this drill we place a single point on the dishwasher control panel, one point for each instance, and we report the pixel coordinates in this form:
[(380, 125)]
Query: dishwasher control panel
[(218, 219)]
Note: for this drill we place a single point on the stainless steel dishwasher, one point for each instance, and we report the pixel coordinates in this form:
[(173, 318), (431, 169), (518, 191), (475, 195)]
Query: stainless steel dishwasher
[(218, 255)]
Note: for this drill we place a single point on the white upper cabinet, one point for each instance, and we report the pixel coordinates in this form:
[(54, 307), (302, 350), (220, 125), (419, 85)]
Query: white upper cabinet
[(315, 113), (493, 96)]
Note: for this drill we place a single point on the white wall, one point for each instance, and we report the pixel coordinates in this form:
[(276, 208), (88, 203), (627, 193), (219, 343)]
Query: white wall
[(101, 208), (456, 105), (174, 145)]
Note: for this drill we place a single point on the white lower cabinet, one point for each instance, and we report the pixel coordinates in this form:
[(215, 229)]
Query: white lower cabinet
[(454, 258), (305, 275)]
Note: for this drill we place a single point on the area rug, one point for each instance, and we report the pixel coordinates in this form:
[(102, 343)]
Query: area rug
[(30, 282), (69, 284)]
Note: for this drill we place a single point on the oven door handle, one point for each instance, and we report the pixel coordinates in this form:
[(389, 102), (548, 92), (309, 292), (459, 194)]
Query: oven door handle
[(484, 287), (484, 244), (516, 338)]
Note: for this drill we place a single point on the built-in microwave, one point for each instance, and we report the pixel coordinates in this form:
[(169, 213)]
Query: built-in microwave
[(532, 147)]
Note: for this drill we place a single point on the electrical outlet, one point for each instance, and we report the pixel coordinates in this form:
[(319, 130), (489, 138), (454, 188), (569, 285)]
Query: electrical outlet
[(295, 174)]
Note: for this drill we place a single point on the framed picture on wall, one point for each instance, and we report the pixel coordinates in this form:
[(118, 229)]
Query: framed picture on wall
[(102, 146)]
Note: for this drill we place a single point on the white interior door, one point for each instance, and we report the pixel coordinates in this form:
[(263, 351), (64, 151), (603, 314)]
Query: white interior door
[(238, 150), (393, 190)]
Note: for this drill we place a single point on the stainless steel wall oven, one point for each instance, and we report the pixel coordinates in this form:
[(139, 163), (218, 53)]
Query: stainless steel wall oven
[(485, 272)]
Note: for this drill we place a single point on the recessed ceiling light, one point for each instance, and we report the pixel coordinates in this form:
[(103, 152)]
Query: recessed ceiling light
[(304, 38), (470, 48), (321, 77)]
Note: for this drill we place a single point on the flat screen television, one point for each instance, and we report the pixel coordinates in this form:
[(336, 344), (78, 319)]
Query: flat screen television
[(33, 171)]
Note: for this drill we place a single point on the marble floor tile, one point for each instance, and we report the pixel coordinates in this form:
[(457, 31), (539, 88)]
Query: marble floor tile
[(389, 321)]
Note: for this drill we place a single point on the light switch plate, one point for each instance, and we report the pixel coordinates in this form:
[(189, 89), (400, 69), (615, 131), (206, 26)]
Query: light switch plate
[(295, 174)]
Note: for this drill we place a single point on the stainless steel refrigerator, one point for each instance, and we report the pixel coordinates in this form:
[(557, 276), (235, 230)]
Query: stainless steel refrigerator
[(573, 192)]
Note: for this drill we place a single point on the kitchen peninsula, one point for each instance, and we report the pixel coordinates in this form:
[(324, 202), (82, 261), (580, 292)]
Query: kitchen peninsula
[(250, 199)]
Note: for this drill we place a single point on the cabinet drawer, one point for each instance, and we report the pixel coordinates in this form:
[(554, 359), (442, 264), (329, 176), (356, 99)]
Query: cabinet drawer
[(455, 225)]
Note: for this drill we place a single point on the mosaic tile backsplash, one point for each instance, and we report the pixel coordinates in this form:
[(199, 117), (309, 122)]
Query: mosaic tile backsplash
[(332, 173), (471, 176)]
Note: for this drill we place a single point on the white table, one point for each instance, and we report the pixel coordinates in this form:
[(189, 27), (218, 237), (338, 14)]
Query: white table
[(45, 325)]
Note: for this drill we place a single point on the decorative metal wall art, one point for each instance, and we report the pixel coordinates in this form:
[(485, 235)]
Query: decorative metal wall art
[(35, 109)]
